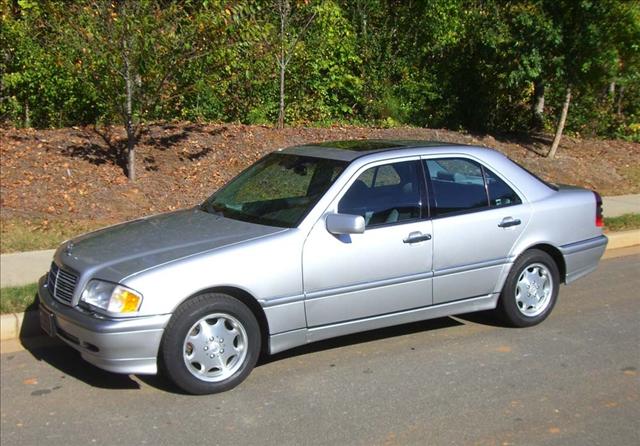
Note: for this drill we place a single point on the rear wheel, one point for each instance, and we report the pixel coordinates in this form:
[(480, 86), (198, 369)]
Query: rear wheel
[(211, 344), (531, 289)]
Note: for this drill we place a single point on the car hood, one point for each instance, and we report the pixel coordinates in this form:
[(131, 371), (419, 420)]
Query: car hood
[(119, 251)]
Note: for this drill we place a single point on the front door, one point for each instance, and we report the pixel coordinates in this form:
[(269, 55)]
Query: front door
[(383, 270)]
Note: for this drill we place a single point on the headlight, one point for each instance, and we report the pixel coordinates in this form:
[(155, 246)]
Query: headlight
[(111, 297)]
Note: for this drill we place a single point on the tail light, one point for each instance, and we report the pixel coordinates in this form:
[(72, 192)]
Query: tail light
[(599, 219)]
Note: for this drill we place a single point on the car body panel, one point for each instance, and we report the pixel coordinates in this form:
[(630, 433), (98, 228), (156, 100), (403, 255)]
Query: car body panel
[(349, 276), (579, 257), (121, 346), (478, 269), (310, 284), (291, 339), (114, 253), (243, 266)]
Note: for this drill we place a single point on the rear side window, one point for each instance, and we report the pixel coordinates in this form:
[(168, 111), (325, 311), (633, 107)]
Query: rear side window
[(387, 194), (457, 186), (500, 194)]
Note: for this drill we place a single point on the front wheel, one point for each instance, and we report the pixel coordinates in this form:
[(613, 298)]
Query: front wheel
[(531, 289), (211, 344)]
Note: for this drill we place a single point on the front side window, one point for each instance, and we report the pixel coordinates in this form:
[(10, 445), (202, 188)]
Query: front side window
[(278, 190), (457, 186), (385, 194)]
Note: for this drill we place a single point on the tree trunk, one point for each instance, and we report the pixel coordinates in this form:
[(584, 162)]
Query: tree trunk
[(281, 108), (282, 64), (131, 153), (27, 118), (128, 115), (619, 104), (131, 135), (538, 105), (612, 89), (560, 128)]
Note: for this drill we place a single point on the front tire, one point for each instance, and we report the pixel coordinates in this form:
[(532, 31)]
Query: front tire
[(531, 289), (211, 344)]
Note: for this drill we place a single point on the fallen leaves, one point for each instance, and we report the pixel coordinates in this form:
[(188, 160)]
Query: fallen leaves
[(75, 173)]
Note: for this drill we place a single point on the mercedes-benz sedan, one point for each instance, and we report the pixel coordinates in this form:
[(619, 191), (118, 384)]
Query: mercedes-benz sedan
[(318, 241)]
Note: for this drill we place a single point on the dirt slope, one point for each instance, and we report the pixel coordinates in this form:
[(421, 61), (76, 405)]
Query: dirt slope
[(75, 173)]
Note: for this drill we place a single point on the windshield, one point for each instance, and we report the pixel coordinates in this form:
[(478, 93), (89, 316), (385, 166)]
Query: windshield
[(278, 190)]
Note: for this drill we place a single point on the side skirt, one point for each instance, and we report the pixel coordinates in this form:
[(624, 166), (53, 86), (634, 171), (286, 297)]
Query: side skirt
[(284, 341)]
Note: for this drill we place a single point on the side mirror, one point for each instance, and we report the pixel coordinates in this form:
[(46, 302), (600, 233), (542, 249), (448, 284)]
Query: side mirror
[(345, 224)]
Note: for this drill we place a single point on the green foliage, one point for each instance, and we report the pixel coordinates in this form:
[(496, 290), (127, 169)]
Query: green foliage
[(452, 63), (18, 299), (624, 222), (323, 80), (38, 83)]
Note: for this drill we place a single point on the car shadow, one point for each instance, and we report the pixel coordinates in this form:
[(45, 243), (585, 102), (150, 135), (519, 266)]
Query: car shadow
[(68, 361), (484, 318), (161, 383), (362, 338), (62, 357)]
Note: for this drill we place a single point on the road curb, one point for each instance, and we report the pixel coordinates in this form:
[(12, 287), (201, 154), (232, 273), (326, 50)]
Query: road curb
[(8, 326), (19, 325), (623, 239), (24, 325)]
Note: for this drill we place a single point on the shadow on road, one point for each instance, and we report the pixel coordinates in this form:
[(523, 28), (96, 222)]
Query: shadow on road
[(64, 358), (484, 318), (364, 337), (68, 361)]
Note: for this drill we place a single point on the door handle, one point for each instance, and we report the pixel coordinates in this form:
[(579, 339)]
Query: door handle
[(416, 237), (509, 221)]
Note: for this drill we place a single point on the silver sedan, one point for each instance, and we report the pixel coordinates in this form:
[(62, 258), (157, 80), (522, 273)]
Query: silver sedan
[(318, 241)]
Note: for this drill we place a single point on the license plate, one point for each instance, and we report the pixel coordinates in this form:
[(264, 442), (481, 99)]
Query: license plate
[(47, 322)]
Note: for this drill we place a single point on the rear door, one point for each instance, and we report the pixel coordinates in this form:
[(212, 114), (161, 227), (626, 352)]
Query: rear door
[(477, 218)]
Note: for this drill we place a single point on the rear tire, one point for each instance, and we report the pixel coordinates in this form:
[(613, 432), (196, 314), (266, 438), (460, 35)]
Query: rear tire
[(211, 344), (531, 289)]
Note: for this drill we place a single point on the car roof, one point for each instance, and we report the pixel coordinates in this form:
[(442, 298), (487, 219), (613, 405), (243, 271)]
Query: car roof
[(364, 151), (349, 150)]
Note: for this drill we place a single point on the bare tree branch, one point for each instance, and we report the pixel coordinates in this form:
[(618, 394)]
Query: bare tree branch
[(291, 49)]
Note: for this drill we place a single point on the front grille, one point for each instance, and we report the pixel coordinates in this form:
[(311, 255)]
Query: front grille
[(61, 284)]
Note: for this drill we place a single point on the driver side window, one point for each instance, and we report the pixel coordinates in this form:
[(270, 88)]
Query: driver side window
[(386, 194)]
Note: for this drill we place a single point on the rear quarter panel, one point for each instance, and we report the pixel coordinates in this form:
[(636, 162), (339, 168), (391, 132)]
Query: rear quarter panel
[(564, 218)]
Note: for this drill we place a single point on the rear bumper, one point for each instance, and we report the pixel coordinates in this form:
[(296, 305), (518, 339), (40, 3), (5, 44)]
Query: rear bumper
[(582, 257), (117, 345)]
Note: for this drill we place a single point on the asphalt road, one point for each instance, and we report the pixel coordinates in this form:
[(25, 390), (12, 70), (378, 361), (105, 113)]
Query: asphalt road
[(571, 381)]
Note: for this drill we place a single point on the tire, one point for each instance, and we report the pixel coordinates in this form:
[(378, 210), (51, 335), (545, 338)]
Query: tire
[(210, 345), (531, 289)]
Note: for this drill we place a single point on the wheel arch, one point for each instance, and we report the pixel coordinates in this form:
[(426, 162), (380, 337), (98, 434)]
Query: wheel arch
[(555, 254), (251, 302)]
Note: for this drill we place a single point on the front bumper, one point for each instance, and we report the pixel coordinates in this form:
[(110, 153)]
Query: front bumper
[(117, 345)]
